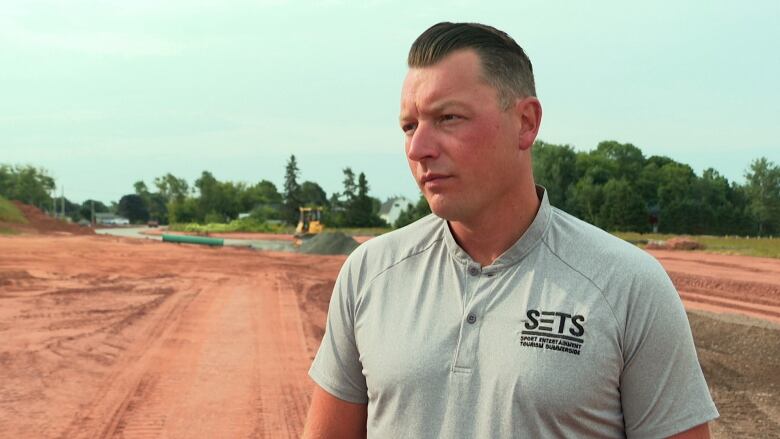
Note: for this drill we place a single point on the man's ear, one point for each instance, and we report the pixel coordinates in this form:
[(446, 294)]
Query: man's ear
[(528, 111)]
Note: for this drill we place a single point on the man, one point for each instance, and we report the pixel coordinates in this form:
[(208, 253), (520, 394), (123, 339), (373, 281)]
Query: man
[(499, 316)]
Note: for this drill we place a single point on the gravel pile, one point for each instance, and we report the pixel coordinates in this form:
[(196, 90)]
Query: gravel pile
[(329, 243)]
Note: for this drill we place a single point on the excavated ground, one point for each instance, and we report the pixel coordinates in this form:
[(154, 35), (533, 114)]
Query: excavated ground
[(113, 337)]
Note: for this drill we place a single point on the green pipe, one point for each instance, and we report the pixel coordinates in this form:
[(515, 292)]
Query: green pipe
[(188, 239)]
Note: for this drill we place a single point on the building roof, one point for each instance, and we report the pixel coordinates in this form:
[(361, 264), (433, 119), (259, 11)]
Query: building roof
[(387, 206)]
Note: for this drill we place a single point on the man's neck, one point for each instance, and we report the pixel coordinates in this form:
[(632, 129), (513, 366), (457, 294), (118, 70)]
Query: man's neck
[(492, 233)]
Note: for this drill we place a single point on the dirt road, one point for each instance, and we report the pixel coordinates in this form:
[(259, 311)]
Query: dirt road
[(724, 283), (108, 338), (112, 337)]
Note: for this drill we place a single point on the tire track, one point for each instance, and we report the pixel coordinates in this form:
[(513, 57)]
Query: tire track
[(233, 364), (102, 413), (283, 387), (765, 312)]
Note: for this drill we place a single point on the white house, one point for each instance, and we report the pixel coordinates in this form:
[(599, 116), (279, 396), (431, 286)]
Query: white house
[(392, 208)]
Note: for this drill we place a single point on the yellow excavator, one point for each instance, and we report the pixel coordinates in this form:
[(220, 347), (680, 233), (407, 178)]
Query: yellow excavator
[(309, 222)]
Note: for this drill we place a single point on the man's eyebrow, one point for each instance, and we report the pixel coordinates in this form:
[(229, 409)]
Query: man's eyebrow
[(404, 117), (439, 106), (436, 107)]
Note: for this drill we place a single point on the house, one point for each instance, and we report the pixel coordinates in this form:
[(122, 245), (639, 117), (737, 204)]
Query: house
[(392, 208)]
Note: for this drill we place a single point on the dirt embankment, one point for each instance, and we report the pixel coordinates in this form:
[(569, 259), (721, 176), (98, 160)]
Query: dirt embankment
[(40, 223)]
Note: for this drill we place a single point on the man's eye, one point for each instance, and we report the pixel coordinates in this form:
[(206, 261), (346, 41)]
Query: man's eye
[(409, 127), (449, 117)]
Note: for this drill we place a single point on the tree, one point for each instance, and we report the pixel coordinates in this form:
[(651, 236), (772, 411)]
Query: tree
[(219, 201), (622, 209), (679, 211), (763, 190), (262, 194), (349, 185), (27, 184), (185, 211), (721, 211), (313, 195), (292, 189), (262, 200), (413, 213), (586, 199), (140, 188), (340, 213), (158, 207), (171, 188), (72, 210), (360, 211), (133, 207), (86, 209), (267, 193), (354, 207), (555, 168), (628, 160)]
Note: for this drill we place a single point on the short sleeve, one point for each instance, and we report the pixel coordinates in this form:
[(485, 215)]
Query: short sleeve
[(337, 367), (663, 390)]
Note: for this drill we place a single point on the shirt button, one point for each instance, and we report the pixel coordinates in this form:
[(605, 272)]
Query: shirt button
[(472, 318), (473, 270)]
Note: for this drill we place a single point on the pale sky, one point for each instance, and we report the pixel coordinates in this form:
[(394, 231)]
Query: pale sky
[(105, 93)]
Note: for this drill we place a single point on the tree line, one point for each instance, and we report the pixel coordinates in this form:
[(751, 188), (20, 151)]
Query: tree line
[(209, 200), (613, 186), (617, 188)]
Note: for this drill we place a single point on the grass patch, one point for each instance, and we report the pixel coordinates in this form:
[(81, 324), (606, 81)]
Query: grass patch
[(360, 231), (246, 225), (9, 213), (249, 225), (730, 245), (8, 231)]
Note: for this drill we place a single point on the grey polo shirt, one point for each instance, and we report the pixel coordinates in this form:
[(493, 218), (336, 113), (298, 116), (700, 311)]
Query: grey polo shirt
[(570, 333)]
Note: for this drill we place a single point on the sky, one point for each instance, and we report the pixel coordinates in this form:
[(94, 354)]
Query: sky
[(105, 93)]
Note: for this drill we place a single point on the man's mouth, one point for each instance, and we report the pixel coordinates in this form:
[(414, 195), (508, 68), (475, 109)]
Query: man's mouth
[(432, 177)]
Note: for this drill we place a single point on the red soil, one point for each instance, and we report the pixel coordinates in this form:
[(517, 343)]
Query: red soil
[(112, 337), (40, 223)]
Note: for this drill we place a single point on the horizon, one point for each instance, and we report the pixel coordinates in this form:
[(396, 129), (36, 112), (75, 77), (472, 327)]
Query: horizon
[(103, 95)]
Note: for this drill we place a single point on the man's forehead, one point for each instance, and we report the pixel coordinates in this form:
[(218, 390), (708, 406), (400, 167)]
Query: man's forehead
[(443, 84)]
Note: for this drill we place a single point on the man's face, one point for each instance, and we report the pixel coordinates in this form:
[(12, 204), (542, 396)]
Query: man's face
[(462, 147)]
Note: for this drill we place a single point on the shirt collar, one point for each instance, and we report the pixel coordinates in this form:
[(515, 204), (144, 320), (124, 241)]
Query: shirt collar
[(520, 248)]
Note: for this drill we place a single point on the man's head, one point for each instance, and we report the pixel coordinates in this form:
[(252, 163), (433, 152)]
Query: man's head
[(469, 115), (505, 65)]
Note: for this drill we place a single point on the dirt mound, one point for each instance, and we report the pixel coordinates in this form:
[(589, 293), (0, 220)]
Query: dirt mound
[(683, 243), (676, 243), (329, 243), (39, 222)]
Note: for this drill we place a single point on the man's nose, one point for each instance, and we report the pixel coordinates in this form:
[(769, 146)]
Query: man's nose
[(422, 144)]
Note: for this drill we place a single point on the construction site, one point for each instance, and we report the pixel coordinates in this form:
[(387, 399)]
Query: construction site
[(116, 336)]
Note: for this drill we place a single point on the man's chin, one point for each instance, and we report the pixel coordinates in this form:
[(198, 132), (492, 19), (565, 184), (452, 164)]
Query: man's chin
[(444, 208)]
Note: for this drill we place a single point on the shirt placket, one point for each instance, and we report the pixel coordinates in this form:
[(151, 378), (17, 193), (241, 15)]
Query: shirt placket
[(477, 285)]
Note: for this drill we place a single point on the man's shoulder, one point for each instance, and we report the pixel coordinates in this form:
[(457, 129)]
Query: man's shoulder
[(385, 251), (599, 256)]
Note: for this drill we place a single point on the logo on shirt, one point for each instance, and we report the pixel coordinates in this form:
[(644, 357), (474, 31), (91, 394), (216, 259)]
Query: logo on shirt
[(553, 330)]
